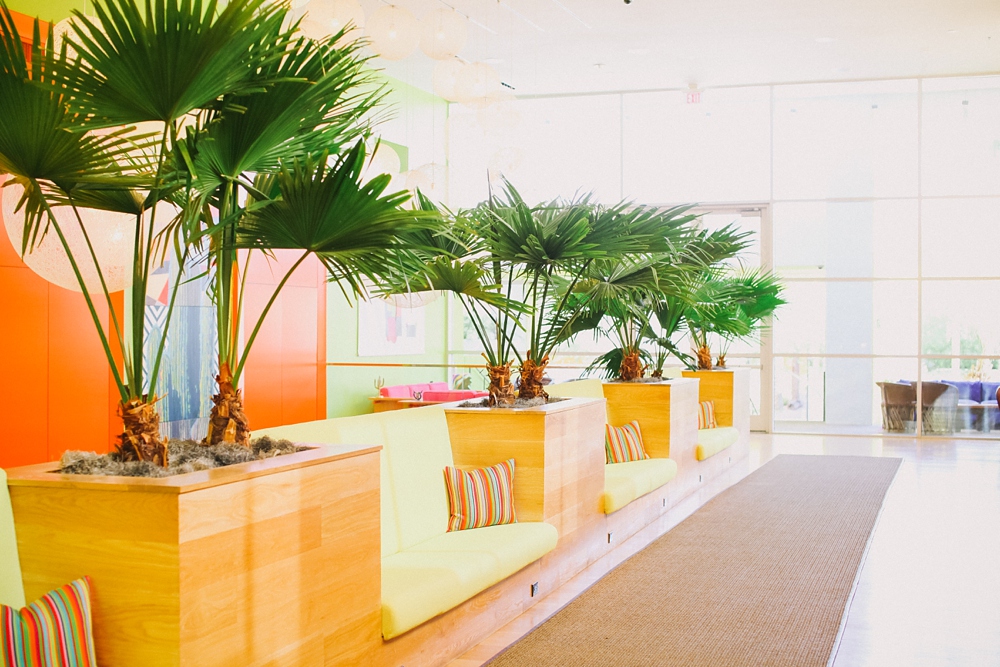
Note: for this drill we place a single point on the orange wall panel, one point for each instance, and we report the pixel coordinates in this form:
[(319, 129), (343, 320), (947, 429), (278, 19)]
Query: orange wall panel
[(55, 386), (285, 377), (24, 375), (78, 376)]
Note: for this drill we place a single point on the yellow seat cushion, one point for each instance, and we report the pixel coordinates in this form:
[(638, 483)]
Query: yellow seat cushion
[(439, 574), (11, 586), (711, 441), (624, 482)]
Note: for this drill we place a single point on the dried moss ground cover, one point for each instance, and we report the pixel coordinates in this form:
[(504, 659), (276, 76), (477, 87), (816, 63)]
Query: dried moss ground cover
[(185, 456), (519, 403)]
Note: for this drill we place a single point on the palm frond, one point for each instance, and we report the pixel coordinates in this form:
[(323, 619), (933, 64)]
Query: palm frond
[(352, 226), (175, 57)]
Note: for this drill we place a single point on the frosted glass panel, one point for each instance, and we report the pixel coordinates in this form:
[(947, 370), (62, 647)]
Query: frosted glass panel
[(961, 317), (876, 239), (961, 237), (845, 140), (716, 150), (848, 317), (961, 136)]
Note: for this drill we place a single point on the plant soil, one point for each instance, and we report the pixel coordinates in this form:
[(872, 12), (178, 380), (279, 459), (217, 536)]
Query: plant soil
[(185, 456), (631, 368), (140, 440), (531, 378), (227, 424), (501, 389)]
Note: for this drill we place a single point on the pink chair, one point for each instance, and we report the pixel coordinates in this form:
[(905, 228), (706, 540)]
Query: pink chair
[(455, 395), (407, 390)]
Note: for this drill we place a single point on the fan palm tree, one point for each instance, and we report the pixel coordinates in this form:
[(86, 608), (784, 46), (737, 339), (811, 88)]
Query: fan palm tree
[(627, 292), (455, 260), (358, 232), (316, 98), (550, 249), (730, 304), (69, 139)]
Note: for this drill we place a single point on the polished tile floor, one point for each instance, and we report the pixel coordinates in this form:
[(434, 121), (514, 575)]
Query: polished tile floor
[(929, 590)]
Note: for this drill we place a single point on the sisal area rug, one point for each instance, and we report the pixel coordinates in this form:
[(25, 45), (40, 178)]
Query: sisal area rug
[(760, 575)]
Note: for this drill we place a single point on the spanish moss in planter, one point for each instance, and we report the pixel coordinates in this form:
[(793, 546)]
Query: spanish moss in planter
[(184, 456)]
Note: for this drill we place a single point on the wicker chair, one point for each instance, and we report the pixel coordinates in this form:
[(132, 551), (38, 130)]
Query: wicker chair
[(939, 404), (899, 406)]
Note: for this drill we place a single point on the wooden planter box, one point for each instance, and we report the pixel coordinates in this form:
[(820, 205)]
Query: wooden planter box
[(729, 389), (666, 412), (267, 563), (558, 452)]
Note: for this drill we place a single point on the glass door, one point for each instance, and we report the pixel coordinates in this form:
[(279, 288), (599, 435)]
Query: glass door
[(754, 354)]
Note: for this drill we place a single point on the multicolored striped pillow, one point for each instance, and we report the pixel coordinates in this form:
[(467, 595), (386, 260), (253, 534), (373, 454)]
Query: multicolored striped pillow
[(624, 443), (480, 497), (56, 631), (706, 415)]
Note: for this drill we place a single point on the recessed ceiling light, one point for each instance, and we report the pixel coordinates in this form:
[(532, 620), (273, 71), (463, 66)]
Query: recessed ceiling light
[(826, 40)]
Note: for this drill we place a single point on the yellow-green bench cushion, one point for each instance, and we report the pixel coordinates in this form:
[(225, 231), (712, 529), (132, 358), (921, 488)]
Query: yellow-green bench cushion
[(11, 587), (711, 441), (624, 482), (428, 579)]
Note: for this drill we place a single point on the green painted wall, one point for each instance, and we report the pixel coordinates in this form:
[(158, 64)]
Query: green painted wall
[(348, 388), (416, 129), (47, 10)]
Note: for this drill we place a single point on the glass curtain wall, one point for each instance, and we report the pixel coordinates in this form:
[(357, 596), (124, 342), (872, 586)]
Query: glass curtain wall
[(884, 198)]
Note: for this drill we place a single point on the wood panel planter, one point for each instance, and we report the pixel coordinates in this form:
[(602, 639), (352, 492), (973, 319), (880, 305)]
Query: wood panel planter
[(558, 452), (272, 563), (666, 412), (729, 389)]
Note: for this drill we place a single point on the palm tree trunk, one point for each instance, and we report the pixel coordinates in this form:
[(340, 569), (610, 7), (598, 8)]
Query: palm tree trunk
[(531, 379), (228, 424), (704, 358), (141, 439), (501, 389), (631, 368), (721, 362)]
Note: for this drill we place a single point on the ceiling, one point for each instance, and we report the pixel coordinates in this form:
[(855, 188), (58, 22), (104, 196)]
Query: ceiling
[(572, 46)]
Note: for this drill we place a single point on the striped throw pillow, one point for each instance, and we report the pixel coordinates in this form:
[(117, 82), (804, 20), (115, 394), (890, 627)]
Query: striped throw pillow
[(480, 497), (624, 443), (53, 632), (706, 415)]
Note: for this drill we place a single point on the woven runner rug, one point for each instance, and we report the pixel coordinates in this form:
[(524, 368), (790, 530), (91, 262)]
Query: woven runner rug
[(761, 575)]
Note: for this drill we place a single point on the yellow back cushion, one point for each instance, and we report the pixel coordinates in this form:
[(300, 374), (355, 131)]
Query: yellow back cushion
[(321, 431), (11, 586), (418, 450), (590, 388)]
